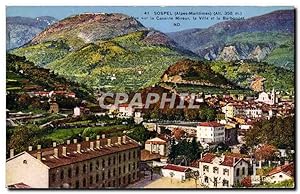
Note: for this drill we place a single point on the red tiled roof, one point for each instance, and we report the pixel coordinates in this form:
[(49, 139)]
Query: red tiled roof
[(208, 158), (175, 168), (287, 169), (210, 124), (85, 154), (230, 161)]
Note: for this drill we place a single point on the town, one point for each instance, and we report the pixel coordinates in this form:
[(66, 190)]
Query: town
[(122, 147)]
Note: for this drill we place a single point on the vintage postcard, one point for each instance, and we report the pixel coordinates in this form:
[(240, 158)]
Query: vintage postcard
[(149, 97)]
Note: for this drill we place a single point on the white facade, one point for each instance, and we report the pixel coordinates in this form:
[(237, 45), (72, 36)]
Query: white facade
[(125, 111), (175, 172), (157, 146), (211, 134), (267, 98), (218, 174), (76, 111), (278, 177), (17, 169)]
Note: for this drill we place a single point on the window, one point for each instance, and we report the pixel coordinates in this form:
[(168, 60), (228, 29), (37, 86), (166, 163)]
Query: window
[(124, 157), (91, 180), (53, 177), (77, 184), (69, 172), (206, 179), (205, 168), (225, 183), (226, 171), (97, 164), (215, 170), (84, 182), (238, 172), (114, 172), (120, 158), (243, 171), (129, 165), (62, 174), (129, 156), (97, 178), (91, 167), (103, 163), (24, 161), (280, 176), (114, 160), (215, 182), (108, 174), (109, 161), (77, 171), (124, 169), (84, 168)]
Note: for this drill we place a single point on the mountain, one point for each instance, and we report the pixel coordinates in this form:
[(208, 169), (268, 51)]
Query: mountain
[(111, 51), (81, 29), (268, 38), (196, 73), (20, 30)]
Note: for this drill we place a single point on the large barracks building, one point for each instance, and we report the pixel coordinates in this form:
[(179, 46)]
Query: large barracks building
[(106, 162)]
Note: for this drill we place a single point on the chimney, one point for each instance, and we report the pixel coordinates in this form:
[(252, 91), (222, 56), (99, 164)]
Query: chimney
[(39, 147), (98, 137), (98, 144), (68, 142), (54, 144), (39, 155), (108, 142), (74, 140), (103, 136), (11, 153), (29, 148), (92, 145), (119, 140), (64, 151), (78, 148), (87, 138), (124, 139), (55, 152)]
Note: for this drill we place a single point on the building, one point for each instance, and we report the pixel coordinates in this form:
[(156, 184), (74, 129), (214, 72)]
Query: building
[(210, 132), (107, 162), (125, 111), (54, 107), (157, 146), (138, 117), (267, 98), (222, 172), (177, 172), (280, 173), (76, 111), (231, 110)]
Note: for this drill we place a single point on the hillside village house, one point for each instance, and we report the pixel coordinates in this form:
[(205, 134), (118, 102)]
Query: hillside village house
[(180, 173), (280, 173), (222, 172), (106, 162), (210, 132), (233, 109), (157, 146), (125, 111)]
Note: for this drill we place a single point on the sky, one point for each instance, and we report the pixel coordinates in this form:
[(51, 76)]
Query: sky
[(60, 12)]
